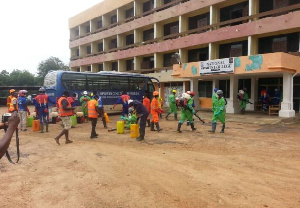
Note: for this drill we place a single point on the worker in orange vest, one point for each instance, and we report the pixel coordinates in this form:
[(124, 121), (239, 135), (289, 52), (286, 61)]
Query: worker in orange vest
[(155, 111), (13, 106), (93, 111), (8, 100), (65, 113), (146, 103)]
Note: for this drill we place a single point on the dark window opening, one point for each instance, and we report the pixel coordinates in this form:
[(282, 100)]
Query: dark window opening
[(129, 13), (100, 47), (168, 59), (99, 24), (77, 52), (100, 67), (171, 28), (269, 84), (245, 84), (88, 49), (113, 44), (78, 69), (148, 34), (147, 63), (224, 85), (77, 32), (198, 21), (267, 5), (200, 54), (114, 66), (89, 68), (88, 29), (280, 43), (234, 12), (205, 89), (129, 65), (113, 19), (148, 5), (130, 39), (233, 49)]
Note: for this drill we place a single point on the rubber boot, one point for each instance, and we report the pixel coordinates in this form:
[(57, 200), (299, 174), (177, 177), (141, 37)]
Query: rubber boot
[(104, 123), (193, 127), (152, 127), (142, 136), (175, 115), (47, 125), (42, 128), (213, 128), (167, 116), (157, 127), (178, 127), (188, 123), (148, 122), (223, 128)]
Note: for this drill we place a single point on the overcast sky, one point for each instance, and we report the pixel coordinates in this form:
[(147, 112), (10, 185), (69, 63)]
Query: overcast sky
[(34, 30)]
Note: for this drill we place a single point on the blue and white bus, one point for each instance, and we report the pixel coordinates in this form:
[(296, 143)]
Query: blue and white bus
[(108, 85)]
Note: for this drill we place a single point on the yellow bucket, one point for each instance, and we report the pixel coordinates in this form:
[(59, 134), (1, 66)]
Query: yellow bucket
[(134, 131), (120, 127)]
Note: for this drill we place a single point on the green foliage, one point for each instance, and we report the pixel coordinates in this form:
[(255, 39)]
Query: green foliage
[(51, 64), (17, 78)]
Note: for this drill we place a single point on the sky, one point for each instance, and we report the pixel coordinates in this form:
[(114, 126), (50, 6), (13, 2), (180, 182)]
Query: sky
[(34, 30)]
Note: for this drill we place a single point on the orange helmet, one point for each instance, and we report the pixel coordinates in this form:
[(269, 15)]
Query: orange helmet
[(11, 91), (155, 93)]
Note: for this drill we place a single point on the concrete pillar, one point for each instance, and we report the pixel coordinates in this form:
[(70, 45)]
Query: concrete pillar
[(183, 55), (213, 50), (253, 94), (105, 44), (137, 62), (138, 8), (194, 87), (253, 7), (121, 65), (252, 45), (158, 60), (121, 40), (94, 47), (158, 3), (158, 30), (215, 84), (94, 68), (183, 23), (232, 103), (287, 108), (106, 66), (138, 36), (214, 15), (105, 20), (120, 15)]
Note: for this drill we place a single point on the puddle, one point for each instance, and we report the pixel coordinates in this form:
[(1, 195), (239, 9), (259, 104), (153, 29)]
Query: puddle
[(272, 129), (99, 155)]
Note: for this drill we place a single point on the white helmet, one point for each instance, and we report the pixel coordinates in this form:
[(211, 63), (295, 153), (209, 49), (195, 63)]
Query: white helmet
[(186, 96), (85, 92), (241, 92), (130, 101)]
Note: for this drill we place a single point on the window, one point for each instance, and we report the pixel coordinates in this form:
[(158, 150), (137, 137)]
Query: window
[(148, 34), (74, 81), (245, 83), (171, 28), (88, 49), (279, 44), (200, 54), (114, 66), (148, 5), (234, 12), (113, 44), (224, 85), (113, 19), (118, 83), (129, 13), (130, 39), (198, 21), (77, 52), (100, 47), (88, 29), (136, 83), (100, 67), (167, 59), (205, 89), (98, 83), (129, 65), (233, 49), (99, 24)]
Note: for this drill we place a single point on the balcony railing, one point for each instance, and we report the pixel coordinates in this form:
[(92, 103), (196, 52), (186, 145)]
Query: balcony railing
[(274, 12)]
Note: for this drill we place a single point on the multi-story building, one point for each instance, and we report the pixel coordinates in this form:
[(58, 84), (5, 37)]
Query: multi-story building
[(146, 36)]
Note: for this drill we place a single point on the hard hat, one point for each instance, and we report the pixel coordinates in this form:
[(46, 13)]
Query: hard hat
[(155, 93), (22, 92), (42, 89), (191, 93), (130, 101), (174, 91), (186, 96), (11, 91), (215, 89), (241, 92), (219, 92), (85, 92)]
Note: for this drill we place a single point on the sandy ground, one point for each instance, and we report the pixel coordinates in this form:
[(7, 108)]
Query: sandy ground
[(250, 165)]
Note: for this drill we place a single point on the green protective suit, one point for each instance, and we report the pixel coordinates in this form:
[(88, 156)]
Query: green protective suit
[(130, 120), (83, 100), (219, 112), (172, 104), (243, 103), (214, 99), (187, 112)]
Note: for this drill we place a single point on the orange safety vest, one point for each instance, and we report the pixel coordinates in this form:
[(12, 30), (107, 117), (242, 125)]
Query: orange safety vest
[(11, 105), (125, 98), (154, 105), (8, 101), (92, 112), (61, 110), (146, 103)]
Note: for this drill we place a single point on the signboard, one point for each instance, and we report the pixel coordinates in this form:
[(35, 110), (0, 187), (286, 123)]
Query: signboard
[(217, 66)]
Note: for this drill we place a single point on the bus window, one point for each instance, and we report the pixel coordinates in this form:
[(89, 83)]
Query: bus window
[(50, 79), (118, 83), (150, 87), (136, 83), (97, 82), (73, 81)]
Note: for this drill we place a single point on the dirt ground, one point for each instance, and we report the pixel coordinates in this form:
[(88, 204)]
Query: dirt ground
[(251, 165)]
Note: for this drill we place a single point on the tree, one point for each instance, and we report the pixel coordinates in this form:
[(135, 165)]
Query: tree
[(4, 76), (21, 78), (51, 64)]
